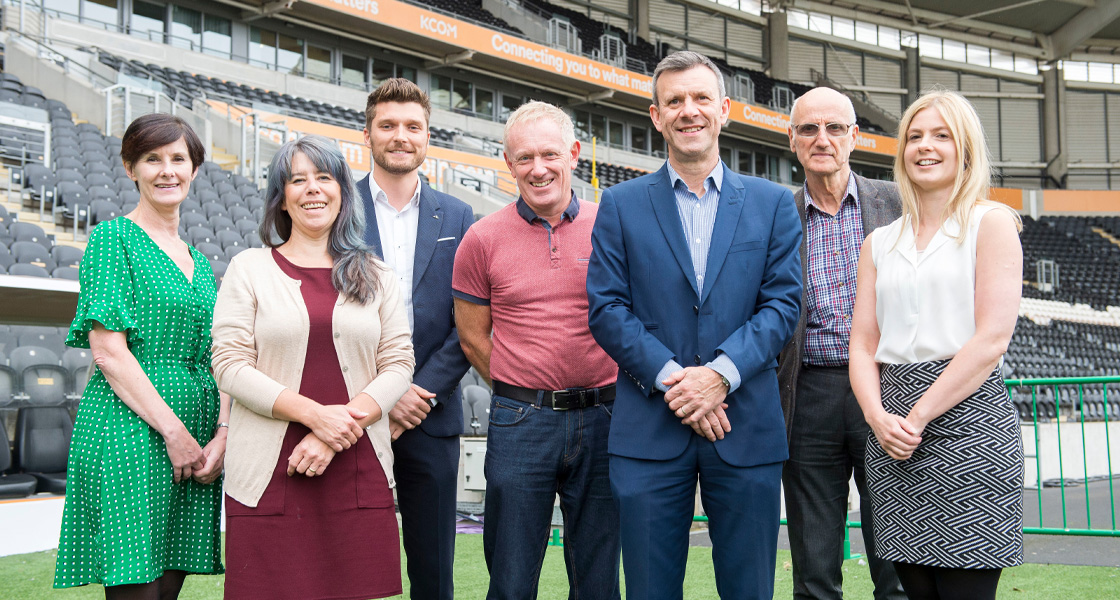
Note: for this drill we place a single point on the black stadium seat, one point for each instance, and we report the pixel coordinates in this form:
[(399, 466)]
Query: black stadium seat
[(16, 485), (43, 440)]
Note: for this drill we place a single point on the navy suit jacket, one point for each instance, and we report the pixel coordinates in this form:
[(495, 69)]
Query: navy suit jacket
[(440, 362), (645, 309)]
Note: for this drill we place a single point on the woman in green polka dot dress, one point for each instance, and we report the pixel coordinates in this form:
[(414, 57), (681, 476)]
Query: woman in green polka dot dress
[(143, 482)]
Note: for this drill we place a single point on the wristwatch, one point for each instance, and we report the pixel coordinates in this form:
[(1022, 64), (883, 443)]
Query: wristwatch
[(725, 382)]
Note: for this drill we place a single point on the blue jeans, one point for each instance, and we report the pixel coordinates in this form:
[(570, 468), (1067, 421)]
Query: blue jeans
[(533, 453)]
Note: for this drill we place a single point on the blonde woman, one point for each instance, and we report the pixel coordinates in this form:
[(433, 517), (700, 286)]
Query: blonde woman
[(936, 304)]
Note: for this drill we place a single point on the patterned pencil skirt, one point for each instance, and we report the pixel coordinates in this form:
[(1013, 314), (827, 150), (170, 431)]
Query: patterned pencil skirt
[(958, 500)]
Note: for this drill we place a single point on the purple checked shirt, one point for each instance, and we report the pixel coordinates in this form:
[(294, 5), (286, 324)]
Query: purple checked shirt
[(833, 255)]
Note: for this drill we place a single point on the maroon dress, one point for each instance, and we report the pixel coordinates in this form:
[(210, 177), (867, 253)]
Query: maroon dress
[(331, 536)]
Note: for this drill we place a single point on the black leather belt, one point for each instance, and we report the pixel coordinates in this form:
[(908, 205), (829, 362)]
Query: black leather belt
[(559, 399)]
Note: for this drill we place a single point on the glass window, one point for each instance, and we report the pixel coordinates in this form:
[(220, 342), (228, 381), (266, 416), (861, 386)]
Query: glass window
[(510, 103), (929, 45), (67, 9), (796, 174), (186, 28), (979, 55), (908, 39), (617, 134), (796, 18), (440, 90), (954, 50), (382, 70), (866, 33), (889, 37), (318, 63), (407, 73), (216, 38), (461, 95), (845, 28), (353, 72), (101, 11), (746, 162), (599, 127), (262, 48), (753, 7), (147, 20), (760, 163), (1076, 71), (639, 138), (1026, 64), (1003, 60), (819, 22), (725, 154), (289, 54), (484, 103), (1100, 72)]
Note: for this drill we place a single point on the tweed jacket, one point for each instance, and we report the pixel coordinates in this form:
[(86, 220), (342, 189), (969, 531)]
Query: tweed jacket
[(260, 343), (879, 205)]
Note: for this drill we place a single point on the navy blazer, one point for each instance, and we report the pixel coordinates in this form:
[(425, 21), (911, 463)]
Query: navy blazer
[(440, 362), (645, 309)]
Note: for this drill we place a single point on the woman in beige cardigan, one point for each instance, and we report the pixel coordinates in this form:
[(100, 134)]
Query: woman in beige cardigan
[(311, 340)]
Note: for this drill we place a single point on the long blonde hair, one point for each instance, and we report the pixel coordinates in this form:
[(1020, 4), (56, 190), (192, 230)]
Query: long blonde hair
[(972, 185)]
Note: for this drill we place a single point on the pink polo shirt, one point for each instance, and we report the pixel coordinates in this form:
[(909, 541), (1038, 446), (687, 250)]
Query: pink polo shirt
[(535, 282)]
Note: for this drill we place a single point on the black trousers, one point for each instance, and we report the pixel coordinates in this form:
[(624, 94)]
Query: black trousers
[(827, 445), (426, 469)]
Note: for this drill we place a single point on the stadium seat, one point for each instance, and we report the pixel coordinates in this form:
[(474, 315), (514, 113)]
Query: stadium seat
[(77, 362), (26, 270), (15, 485), (42, 380), (43, 442), (32, 253)]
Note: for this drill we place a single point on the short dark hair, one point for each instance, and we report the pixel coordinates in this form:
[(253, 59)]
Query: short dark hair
[(156, 130), (397, 89)]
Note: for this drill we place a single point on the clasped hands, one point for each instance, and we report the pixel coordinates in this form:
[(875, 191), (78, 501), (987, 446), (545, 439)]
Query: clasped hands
[(191, 461), (898, 436), (334, 428), (696, 396)]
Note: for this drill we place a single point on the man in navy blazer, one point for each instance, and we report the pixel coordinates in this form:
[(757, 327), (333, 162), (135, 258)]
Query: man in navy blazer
[(694, 287), (417, 230)]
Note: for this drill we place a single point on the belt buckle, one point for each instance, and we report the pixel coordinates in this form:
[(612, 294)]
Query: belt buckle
[(554, 393)]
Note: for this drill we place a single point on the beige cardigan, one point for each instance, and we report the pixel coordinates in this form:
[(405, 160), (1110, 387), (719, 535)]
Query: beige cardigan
[(260, 342)]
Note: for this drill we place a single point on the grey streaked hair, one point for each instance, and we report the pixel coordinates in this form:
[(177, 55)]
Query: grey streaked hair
[(356, 268), (534, 110), (683, 61)]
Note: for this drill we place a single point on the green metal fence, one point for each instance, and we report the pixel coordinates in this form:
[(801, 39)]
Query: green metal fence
[(1066, 409), (1068, 406)]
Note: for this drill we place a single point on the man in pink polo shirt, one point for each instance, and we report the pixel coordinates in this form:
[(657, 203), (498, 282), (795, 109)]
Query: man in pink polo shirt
[(520, 276)]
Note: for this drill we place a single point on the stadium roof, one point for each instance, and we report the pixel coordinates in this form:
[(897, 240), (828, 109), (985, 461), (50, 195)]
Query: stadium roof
[(1058, 29)]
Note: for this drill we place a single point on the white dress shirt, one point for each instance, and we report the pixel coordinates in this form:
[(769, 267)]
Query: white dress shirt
[(397, 230)]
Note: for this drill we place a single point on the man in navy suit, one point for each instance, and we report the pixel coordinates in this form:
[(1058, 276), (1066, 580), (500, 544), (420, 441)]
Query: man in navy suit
[(694, 286), (416, 230)]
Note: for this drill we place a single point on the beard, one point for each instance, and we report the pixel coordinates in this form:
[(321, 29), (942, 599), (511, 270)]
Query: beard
[(383, 160)]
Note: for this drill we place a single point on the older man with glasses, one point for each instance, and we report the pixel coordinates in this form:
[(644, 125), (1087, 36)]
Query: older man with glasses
[(827, 432)]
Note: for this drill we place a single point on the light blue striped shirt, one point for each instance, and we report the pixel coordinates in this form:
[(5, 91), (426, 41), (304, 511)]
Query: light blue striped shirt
[(698, 218)]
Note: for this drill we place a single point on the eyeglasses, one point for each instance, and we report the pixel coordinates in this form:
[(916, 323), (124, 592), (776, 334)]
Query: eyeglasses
[(811, 130)]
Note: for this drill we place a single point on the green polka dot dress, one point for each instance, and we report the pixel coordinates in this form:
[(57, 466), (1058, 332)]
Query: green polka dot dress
[(125, 520)]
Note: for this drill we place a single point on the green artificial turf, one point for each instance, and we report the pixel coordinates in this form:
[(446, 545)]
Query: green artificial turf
[(28, 577)]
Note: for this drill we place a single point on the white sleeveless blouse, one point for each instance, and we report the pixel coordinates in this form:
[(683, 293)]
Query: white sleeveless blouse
[(924, 302)]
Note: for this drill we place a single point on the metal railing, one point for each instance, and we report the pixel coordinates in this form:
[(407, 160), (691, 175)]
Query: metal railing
[(1073, 413)]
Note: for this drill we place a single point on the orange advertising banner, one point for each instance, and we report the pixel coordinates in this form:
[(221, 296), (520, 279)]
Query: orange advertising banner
[(493, 43)]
